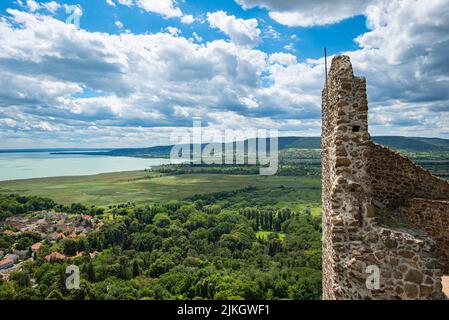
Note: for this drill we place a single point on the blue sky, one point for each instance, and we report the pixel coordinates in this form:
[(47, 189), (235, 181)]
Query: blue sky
[(98, 16), (135, 71)]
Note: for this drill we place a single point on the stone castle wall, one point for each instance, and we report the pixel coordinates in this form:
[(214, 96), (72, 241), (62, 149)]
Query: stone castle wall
[(344, 106), (359, 179), (395, 179), (432, 216)]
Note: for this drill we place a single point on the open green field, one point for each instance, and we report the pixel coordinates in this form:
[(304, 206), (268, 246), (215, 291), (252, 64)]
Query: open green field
[(143, 187), (265, 234)]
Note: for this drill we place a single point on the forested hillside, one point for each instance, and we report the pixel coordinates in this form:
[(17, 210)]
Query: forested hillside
[(405, 144)]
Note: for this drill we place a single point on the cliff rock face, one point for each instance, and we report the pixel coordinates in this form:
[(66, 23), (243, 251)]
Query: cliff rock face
[(385, 220)]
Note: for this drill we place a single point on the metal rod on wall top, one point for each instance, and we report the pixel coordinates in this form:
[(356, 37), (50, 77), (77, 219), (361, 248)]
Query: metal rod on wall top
[(325, 67), (327, 98)]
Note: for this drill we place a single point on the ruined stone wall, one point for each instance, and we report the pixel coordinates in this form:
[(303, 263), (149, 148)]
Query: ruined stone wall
[(357, 179), (344, 107), (432, 216), (395, 179)]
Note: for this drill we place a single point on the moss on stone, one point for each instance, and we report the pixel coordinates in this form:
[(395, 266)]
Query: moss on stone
[(389, 220)]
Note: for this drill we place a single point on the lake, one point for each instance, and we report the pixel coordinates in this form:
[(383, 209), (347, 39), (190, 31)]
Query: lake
[(27, 165)]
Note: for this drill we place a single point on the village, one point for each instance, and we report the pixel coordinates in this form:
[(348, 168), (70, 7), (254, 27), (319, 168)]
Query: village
[(49, 227)]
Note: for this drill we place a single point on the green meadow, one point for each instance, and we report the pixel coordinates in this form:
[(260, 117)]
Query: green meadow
[(140, 187), (266, 234)]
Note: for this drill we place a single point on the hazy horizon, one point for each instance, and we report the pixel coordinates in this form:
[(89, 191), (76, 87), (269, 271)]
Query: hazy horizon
[(55, 149)]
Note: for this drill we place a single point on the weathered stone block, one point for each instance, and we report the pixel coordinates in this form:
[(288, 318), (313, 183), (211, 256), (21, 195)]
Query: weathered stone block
[(342, 162), (414, 276)]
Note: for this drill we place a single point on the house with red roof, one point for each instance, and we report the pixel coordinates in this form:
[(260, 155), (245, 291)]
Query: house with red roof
[(54, 257), (56, 236), (36, 246), (6, 264)]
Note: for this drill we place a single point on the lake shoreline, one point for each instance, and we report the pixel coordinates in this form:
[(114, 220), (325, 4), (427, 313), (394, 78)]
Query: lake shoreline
[(31, 165), (71, 177)]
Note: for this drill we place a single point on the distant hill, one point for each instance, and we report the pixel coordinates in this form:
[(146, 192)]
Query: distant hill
[(299, 143), (159, 151), (409, 144), (414, 144)]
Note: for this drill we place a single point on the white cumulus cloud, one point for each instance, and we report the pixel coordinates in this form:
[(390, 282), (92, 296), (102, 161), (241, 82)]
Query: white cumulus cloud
[(187, 19), (111, 3), (165, 8), (305, 13), (241, 31)]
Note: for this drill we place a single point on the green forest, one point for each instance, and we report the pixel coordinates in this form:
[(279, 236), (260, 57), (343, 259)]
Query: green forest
[(204, 248)]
